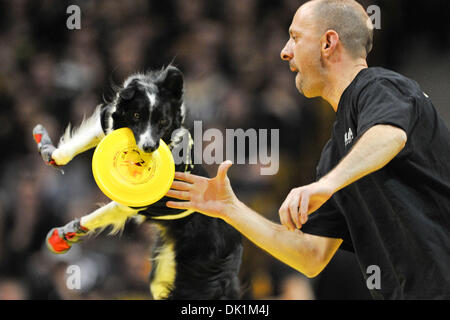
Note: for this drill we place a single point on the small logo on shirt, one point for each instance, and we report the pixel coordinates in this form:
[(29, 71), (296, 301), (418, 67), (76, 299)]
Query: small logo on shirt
[(348, 137)]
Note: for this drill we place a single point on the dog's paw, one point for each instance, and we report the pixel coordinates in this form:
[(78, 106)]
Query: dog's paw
[(44, 144), (60, 157), (60, 240)]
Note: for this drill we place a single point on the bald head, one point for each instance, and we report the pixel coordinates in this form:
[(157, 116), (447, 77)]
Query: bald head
[(349, 19), (328, 44)]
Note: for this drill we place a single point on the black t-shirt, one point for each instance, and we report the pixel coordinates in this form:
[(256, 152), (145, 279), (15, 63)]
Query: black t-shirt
[(396, 218)]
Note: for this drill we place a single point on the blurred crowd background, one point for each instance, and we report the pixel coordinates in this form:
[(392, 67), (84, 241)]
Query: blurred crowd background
[(229, 53)]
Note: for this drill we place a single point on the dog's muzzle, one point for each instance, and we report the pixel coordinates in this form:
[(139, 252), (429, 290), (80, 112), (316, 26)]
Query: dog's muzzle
[(150, 147)]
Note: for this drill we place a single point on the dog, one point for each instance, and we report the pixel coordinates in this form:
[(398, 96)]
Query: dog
[(196, 257)]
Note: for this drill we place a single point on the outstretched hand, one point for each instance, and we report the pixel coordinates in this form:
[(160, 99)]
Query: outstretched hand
[(212, 197)]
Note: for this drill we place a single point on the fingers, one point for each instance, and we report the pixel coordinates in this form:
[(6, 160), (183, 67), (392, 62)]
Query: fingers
[(223, 168), (182, 195), (186, 177), (285, 217), (179, 205), (183, 186), (293, 209), (282, 212), (304, 205), (286, 221)]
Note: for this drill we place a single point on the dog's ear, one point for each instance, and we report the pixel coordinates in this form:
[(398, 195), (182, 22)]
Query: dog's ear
[(173, 81), (127, 93)]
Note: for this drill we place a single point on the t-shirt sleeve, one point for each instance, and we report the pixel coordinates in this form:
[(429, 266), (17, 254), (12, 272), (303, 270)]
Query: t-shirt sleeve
[(327, 221), (381, 102)]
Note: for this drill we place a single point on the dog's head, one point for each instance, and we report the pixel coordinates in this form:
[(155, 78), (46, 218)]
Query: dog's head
[(151, 105)]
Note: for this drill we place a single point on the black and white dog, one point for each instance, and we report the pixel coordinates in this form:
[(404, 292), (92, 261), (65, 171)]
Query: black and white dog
[(196, 257)]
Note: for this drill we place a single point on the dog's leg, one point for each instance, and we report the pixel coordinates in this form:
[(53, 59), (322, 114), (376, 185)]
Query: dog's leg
[(74, 142), (60, 240), (114, 214)]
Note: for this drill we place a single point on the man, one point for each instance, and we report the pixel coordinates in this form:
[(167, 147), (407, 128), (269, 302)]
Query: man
[(383, 180)]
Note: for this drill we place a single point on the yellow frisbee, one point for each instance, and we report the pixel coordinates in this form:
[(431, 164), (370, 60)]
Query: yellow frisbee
[(128, 175)]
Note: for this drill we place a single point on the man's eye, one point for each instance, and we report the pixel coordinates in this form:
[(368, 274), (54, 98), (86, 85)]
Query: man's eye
[(136, 116), (163, 122)]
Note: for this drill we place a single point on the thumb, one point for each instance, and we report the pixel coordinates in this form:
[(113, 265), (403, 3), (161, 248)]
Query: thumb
[(223, 168)]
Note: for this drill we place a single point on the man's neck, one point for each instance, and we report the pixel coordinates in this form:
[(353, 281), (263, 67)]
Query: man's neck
[(340, 79)]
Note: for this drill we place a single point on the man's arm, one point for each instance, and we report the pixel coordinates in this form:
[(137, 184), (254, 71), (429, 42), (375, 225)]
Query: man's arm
[(377, 147), (214, 197), (307, 253)]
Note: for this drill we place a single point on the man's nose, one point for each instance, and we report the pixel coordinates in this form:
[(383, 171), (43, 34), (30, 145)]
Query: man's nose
[(287, 53)]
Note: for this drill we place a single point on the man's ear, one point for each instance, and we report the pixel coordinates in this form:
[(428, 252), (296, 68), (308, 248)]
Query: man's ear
[(329, 43), (173, 81)]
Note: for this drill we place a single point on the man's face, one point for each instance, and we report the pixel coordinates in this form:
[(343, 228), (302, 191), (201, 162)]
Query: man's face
[(302, 51)]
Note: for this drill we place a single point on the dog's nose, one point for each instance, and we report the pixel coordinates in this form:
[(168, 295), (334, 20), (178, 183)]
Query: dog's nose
[(150, 148)]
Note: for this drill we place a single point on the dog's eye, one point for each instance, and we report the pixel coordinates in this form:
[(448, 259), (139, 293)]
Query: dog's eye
[(136, 116)]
